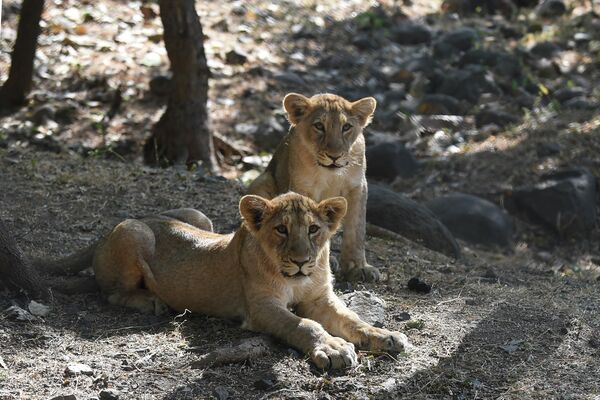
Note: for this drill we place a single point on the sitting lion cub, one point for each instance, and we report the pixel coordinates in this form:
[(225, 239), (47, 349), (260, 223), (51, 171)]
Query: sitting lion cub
[(277, 261), (322, 156)]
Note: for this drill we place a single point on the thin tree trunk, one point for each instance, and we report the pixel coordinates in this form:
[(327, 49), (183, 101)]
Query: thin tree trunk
[(15, 271), (182, 134), (18, 84)]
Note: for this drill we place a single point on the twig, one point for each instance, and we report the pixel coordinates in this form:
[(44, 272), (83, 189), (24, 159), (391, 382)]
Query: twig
[(247, 349)]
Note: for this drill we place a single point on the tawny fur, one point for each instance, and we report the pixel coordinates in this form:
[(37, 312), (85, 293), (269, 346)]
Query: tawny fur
[(276, 262), (322, 163)]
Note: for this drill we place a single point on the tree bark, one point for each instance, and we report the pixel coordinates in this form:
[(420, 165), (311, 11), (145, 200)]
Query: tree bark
[(15, 271), (182, 134), (18, 84)]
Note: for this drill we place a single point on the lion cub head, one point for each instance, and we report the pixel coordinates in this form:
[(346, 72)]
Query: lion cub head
[(329, 123), (292, 229)]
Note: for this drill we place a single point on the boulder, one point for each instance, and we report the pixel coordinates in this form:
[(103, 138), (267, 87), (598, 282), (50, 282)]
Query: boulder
[(467, 83), (564, 201), (461, 39), (497, 117), (473, 219), (390, 160), (411, 34), (551, 8), (397, 213)]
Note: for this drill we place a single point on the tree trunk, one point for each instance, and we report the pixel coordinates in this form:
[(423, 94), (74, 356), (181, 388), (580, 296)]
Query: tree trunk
[(182, 134), (15, 271), (16, 87)]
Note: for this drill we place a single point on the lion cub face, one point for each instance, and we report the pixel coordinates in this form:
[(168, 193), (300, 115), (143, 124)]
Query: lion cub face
[(292, 229), (330, 124)]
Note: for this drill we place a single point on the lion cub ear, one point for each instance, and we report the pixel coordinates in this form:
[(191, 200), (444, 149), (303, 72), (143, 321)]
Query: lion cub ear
[(296, 106), (254, 210), (364, 109), (333, 210)]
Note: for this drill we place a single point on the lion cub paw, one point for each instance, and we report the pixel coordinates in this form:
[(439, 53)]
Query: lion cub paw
[(334, 353), (378, 339), (365, 273)]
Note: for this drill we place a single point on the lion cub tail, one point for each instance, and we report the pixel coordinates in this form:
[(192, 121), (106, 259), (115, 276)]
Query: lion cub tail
[(69, 265)]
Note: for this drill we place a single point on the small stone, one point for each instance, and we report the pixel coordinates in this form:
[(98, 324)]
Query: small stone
[(581, 103), (79, 369), (17, 313), (411, 34), (369, 307), (582, 37), (65, 397), (566, 93), (417, 285), (38, 309), (109, 394), (236, 57), (497, 117), (461, 39), (403, 316), (265, 383), (122, 214), (544, 49), (547, 149), (42, 114), (221, 393), (439, 104), (289, 78)]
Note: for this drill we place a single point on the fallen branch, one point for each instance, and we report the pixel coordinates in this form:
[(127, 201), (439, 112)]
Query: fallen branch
[(247, 349)]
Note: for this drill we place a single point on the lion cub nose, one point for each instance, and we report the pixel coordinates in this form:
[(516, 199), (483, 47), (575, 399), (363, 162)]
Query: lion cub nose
[(332, 157), (300, 263)]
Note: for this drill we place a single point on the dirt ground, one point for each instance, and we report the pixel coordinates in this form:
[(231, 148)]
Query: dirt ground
[(494, 325), (497, 325)]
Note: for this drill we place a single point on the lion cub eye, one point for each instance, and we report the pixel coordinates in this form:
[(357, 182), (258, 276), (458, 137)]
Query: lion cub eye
[(346, 127), (281, 229), (319, 126), (313, 229)]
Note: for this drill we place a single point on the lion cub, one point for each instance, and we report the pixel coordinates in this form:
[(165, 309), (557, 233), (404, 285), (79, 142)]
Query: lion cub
[(322, 156), (277, 261)]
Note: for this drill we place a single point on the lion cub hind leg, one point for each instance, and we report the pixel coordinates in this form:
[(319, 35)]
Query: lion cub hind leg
[(120, 265), (191, 216)]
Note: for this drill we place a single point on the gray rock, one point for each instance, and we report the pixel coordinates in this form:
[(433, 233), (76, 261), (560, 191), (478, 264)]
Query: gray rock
[(473, 219), (42, 114), (411, 34), (221, 393), (566, 93), (65, 397), (398, 213), (369, 307), (390, 160), (503, 63), (547, 149), (498, 117), (581, 103), (109, 394), (79, 369), (551, 8), (467, 83), (461, 39), (439, 104), (289, 78), (544, 49), (236, 57), (564, 201)]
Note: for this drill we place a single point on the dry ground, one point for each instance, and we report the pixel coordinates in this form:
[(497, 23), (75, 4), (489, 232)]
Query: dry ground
[(494, 326)]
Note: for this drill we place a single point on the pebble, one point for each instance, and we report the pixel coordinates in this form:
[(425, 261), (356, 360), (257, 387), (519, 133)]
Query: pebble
[(79, 369), (369, 307), (109, 394), (417, 285)]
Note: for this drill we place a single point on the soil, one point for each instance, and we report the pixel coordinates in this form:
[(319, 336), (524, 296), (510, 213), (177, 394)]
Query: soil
[(504, 325)]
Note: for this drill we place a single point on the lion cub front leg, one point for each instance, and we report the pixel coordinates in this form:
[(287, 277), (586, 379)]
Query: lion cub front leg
[(338, 320), (120, 265), (354, 265), (325, 350)]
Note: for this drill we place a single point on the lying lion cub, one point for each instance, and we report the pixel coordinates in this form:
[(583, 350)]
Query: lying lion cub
[(277, 261), (322, 156)]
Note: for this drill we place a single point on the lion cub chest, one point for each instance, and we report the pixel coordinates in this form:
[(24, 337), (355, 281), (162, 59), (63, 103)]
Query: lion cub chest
[(322, 183)]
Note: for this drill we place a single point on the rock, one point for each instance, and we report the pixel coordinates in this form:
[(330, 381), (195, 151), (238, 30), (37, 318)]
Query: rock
[(221, 393), (461, 39), (108, 394), (78, 369), (417, 285), (369, 307), (564, 94), (473, 219), (289, 77), (582, 38), (398, 213), (17, 313), (366, 41), (390, 160), (266, 383), (38, 309), (547, 149), (544, 49), (503, 63), (551, 9), (42, 114), (498, 117), (403, 316), (160, 86), (236, 57), (410, 34), (581, 103), (564, 201), (439, 104), (65, 397), (467, 83)]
